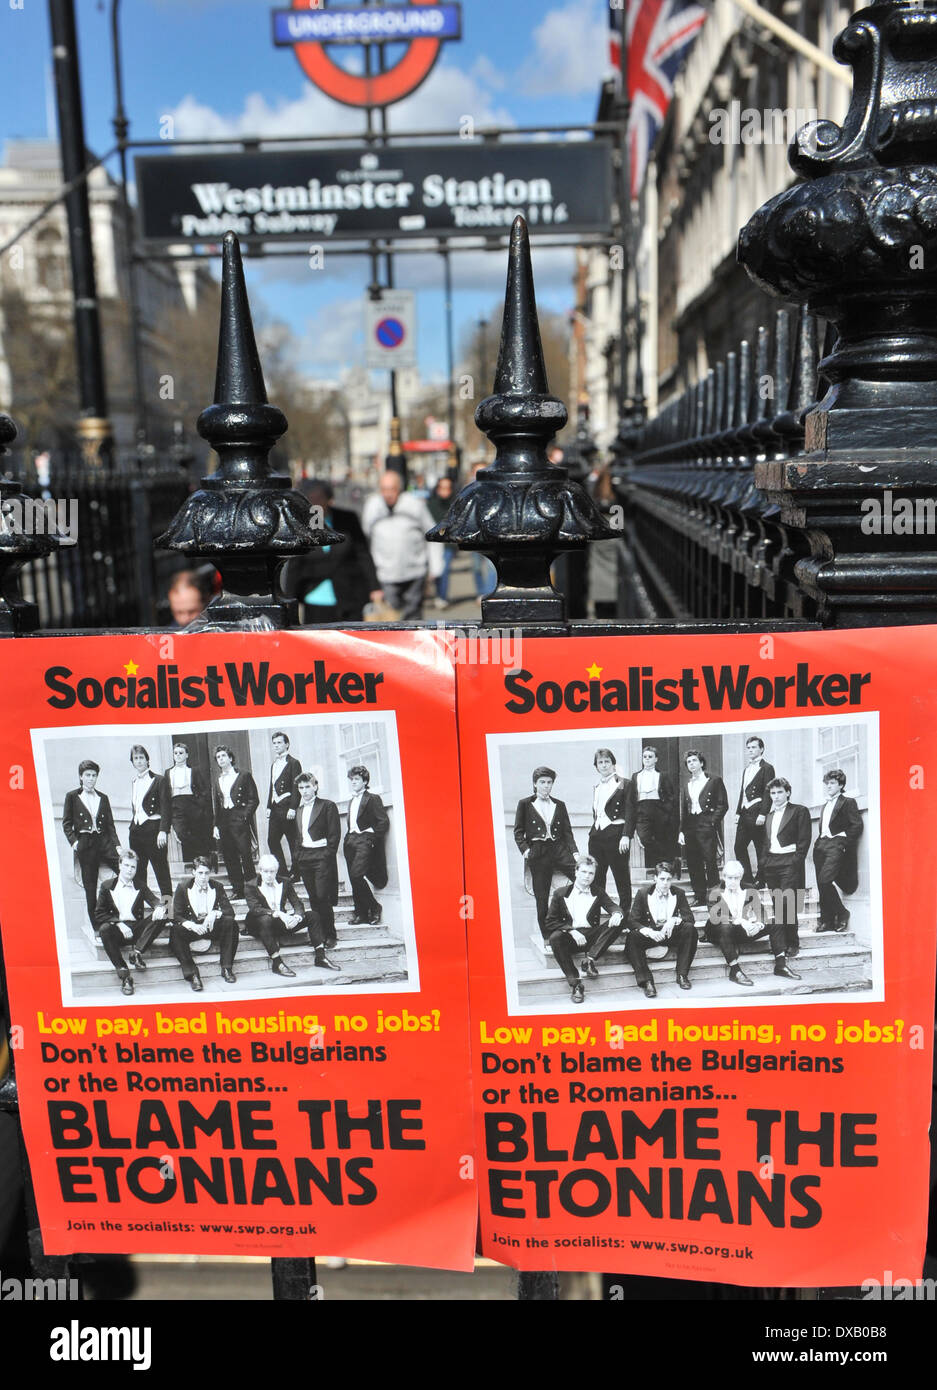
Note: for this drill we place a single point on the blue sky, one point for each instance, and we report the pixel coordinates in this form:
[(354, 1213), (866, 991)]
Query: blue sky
[(211, 65)]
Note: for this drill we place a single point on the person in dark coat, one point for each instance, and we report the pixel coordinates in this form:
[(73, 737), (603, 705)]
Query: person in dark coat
[(544, 836), (201, 914), (753, 806), (614, 816), (151, 814), (656, 811), (703, 806), (282, 800), (574, 923), (275, 917), (835, 856), (439, 502), (234, 802), (317, 831), (190, 803), (333, 582), (736, 917), (88, 822), (784, 854), (125, 912), (660, 916), (364, 846)]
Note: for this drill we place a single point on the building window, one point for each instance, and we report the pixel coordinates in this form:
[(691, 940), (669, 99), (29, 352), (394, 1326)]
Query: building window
[(843, 746), (365, 744), (50, 261)]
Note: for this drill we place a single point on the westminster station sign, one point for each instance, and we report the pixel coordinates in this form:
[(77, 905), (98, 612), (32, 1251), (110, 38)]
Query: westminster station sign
[(459, 189)]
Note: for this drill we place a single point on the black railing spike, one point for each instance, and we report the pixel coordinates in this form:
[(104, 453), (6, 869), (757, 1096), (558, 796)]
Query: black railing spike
[(759, 406), (19, 543), (244, 519), (732, 389), (810, 368), (745, 384), (520, 369), (782, 358), (710, 403), (239, 377), (521, 511), (720, 397)]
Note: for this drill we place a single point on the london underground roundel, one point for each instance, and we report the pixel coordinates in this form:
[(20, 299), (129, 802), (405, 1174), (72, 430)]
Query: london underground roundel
[(381, 88)]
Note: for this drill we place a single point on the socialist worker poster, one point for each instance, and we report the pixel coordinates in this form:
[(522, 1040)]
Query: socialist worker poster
[(229, 894), (702, 952)]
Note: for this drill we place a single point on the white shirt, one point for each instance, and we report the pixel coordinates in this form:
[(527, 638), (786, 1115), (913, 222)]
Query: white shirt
[(603, 794), (546, 809), (353, 809), (694, 787), (775, 819), (124, 895), (226, 782), (201, 900), (735, 902), (305, 816), (661, 908), (278, 765), (748, 775), (826, 816), (180, 781), (580, 903), (92, 802), (648, 785), (271, 892), (141, 785)]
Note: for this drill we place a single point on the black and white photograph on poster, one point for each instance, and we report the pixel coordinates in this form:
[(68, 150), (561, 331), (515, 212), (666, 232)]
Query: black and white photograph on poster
[(696, 865), (236, 862)]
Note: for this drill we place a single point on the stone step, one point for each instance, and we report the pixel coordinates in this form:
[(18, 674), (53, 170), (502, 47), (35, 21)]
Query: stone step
[(160, 947), (93, 947), (539, 953), (178, 991), (366, 957), (538, 985)]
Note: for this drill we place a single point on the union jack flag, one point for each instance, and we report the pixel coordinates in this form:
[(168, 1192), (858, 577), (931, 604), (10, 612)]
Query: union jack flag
[(660, 34)]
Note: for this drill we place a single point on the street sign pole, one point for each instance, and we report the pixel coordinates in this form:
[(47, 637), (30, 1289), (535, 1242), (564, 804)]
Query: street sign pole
[(94, 428), (389, 265)]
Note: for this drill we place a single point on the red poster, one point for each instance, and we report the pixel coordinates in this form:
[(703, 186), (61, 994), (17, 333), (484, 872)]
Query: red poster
[(230, 880), (702, 952)]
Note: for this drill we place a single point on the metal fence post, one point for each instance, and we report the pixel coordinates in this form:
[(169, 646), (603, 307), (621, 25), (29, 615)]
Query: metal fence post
[(521, 512), (244, 519), (247, 521), (856, 241)]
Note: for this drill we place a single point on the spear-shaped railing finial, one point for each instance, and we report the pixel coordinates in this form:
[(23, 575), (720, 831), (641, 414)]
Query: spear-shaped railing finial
[(521, 512), (244, 519)]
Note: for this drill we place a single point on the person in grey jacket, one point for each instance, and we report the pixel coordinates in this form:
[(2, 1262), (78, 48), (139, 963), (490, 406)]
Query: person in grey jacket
[(395, 523)]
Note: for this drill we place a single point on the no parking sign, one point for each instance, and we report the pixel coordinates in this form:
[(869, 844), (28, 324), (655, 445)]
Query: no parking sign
[(390, 330)]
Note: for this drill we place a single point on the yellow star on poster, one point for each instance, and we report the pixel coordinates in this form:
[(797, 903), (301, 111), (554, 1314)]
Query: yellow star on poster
[(131, 668), (593, 672)]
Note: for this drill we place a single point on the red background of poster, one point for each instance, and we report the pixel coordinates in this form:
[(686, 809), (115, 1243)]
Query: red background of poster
[(873, 1218), (424, 1212)]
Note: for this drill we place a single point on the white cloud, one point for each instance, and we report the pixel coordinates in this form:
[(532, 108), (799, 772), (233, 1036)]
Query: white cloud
[(570, 51), (487, 74), (447, 95), (333, 338)]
